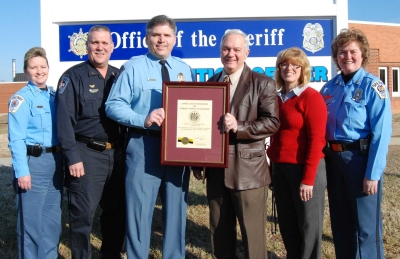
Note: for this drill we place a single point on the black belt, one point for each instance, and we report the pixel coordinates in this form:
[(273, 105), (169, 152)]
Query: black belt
[(37, 150), (340, 146), (146, 132), (95, 144)]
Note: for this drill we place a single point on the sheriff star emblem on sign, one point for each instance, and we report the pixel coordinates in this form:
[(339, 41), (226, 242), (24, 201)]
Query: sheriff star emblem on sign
[(313, 37), (77, 43)]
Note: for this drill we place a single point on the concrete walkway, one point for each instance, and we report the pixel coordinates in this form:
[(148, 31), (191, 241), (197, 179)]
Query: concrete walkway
[(5, 161), (395, 141)]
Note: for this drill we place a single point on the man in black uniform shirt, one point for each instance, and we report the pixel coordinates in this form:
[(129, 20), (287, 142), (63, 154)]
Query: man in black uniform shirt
[(93, 148)]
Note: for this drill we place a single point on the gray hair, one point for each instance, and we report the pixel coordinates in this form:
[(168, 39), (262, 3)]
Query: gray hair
[(98, 28), (235, 31)]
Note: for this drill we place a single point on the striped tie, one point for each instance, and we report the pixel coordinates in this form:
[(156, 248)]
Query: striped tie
[(227, 79)]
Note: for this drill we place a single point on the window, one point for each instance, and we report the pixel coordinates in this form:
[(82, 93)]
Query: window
[(395, 80), (383, 74)]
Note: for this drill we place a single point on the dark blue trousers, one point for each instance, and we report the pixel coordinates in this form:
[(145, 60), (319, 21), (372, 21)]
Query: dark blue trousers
[(356, 218), (103, 183)]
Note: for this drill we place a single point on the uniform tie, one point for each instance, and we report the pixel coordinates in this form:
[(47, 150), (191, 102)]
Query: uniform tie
[(164, 71)]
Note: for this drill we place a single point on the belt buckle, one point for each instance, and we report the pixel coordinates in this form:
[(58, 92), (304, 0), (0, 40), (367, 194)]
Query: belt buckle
[(109, 145), (337, 147)]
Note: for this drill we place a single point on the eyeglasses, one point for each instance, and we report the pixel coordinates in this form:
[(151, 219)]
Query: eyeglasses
[(286, 65)]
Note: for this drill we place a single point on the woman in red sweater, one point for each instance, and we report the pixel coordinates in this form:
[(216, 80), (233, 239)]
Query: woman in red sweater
[(295, 152)]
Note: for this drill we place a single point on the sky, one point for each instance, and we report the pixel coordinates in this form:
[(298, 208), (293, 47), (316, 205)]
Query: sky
[(20, 26)]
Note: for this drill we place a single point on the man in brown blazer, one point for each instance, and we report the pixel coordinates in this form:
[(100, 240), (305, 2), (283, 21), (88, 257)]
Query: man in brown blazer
[(240, 191)]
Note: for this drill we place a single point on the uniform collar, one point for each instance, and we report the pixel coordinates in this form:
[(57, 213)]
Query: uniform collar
[(36, 90), (356, 80), (92, 71), (157, 60)]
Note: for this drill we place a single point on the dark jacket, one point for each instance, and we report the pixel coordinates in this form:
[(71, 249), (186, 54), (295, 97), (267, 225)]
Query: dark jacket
[(255, 108)]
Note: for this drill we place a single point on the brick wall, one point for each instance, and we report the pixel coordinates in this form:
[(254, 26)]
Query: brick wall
[(385, 52), (6, 90)]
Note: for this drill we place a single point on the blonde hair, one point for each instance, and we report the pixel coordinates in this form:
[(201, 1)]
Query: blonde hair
[(296, 56), (33, 53)]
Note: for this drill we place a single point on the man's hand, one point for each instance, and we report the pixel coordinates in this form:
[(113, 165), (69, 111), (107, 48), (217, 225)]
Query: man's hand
[(24, 182), (305, 192), (370, 187), (230, 123), (156, 116), (77, 170)]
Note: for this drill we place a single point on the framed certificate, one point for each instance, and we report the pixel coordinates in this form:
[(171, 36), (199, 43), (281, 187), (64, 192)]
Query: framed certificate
[(192, 132)]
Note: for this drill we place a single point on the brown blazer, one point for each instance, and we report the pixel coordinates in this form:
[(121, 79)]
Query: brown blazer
[(255, 108)]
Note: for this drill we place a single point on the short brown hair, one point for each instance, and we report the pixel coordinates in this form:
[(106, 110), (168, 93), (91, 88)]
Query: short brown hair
[(347, 36), (33, 53), (98, 28), (298, 57), (160, 20)]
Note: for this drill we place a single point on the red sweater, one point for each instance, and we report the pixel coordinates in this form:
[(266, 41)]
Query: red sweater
[(301, 136)]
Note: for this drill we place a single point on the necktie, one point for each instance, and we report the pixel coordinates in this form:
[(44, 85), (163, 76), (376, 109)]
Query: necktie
[(164, 71), (227, 79)]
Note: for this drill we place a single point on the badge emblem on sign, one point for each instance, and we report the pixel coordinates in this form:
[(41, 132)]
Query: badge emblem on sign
[(313, 37), (77, 43)]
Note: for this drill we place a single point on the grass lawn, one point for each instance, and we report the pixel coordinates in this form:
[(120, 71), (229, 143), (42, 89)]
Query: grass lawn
[(197, 233)]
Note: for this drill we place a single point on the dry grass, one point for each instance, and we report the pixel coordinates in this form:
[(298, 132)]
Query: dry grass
[(197, 234)]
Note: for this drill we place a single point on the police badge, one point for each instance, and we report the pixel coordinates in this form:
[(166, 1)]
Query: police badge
[(77, 43), (313, 40), (181, 77), (358, 95)]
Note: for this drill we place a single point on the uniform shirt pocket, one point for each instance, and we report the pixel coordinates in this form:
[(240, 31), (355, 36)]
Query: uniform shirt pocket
[(356, 112), (91, 103), (41, 117), (151, 90)]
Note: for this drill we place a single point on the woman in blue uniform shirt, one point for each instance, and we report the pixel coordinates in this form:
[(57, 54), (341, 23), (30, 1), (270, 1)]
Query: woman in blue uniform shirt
[(358, 133), (36, 160)]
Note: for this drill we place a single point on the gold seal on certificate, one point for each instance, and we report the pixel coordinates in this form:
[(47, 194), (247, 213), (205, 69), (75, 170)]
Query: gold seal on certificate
[(194, 121), (185, 140)]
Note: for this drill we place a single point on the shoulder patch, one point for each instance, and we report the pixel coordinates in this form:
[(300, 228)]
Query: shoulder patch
[(15, 103), (119, 72), (379, 88), (63, 84)]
